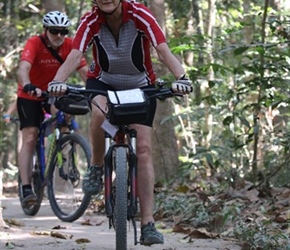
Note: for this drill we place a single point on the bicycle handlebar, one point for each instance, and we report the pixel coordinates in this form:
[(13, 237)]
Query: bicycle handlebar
[(155, 92), (44, 94)]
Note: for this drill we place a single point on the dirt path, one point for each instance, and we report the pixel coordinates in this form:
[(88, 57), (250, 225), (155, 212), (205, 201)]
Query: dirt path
[(35, 233)]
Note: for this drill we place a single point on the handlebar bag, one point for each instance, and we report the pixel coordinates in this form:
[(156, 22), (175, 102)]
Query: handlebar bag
[(72, 106), (127, 107)]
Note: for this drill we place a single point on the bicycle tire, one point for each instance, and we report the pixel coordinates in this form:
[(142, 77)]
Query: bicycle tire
[(65, 195), (38, 187), (121, 198)]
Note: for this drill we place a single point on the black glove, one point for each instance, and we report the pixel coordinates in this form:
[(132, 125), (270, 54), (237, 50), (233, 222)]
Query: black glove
[(29, 88), (183, 85)]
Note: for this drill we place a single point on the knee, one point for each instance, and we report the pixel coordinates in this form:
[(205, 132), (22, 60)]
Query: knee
[(143, 150), (97, 117), (30, 139)]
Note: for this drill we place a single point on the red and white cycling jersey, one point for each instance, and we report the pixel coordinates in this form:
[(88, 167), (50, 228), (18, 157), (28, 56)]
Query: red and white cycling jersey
[(125, 63)]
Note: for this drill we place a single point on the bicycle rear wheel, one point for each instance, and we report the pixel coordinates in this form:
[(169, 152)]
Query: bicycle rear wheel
[(121, 198), (38, 187), (64, 182)]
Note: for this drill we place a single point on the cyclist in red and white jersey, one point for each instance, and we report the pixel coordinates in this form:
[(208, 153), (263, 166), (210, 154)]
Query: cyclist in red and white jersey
[(121, 34)]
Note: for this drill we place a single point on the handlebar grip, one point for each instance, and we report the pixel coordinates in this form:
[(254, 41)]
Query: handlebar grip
[(30, 87), (44, 94)]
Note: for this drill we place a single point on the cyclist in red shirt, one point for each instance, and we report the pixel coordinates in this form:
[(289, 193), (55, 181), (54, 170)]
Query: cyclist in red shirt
[(37, 68), (121, 33)]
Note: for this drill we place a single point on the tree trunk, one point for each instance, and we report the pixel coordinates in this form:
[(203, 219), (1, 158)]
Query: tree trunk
[(165, 152), (51, 5), (210, 76)]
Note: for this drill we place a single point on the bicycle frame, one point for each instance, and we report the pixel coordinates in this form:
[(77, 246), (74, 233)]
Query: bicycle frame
[(60, 120)]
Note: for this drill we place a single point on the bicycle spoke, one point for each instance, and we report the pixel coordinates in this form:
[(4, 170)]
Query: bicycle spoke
[(65, 178)]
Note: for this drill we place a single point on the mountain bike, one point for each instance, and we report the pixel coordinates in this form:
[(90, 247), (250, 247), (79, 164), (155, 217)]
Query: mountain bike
[(61, 170), (121, 201)]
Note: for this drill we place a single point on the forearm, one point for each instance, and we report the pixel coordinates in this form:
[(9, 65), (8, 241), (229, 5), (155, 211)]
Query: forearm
[(83, 73), (170, 61), (69, 66), (23, 73), (12, 108)]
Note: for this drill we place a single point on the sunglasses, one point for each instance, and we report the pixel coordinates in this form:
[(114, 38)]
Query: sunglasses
[(58, 31)]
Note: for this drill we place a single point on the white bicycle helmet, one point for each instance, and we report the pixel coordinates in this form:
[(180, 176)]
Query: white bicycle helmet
[(56, 19)]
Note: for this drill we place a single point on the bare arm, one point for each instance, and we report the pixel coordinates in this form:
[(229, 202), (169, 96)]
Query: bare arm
[(70, 65), (23, 77), (23, 72), (83, 73), (169, 60), (12, 108)]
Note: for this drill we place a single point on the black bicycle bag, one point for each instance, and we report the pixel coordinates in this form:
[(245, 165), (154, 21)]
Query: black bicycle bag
[(72, 106), (127, 107)]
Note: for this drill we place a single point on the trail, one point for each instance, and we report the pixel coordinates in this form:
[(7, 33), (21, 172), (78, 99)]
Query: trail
[(36, 232)]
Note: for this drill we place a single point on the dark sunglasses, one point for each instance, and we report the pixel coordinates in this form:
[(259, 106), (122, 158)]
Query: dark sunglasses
[(58, 31)]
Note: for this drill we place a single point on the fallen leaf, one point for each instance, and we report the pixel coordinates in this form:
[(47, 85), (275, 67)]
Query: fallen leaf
[(177, 219), (59, 227), (280, 219), (42, 233), (89, 222), (252, 195), (201, 234), (180, 229), (14, 222), (82, 240), (86, 222), (182, 189), (60, 235)]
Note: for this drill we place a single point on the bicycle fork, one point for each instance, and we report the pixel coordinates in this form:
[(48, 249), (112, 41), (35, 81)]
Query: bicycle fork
[(132, 177)]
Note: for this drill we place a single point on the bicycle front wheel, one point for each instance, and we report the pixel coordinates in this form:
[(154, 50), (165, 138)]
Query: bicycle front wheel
[(64, 178), (121, 198)]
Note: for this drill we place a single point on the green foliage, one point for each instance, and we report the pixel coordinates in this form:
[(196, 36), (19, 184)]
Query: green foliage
[(261, 235), (248, 78)]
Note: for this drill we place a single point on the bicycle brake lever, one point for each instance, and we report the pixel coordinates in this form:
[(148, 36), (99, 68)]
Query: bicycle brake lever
[(160, 83)]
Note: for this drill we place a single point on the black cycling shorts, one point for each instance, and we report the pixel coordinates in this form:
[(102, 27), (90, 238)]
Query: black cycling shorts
[(99, 85), (31, 112)]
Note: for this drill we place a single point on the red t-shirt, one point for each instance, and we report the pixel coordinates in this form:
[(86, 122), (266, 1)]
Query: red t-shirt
[(131, 55), (44, 64)]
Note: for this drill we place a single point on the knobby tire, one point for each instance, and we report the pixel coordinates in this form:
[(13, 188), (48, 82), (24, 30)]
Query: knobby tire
[(59, 200), (121, 199)]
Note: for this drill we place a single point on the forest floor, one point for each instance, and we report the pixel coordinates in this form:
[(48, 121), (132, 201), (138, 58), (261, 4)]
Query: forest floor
[(45, 232)]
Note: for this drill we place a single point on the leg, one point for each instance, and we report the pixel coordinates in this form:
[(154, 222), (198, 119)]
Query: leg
[(97, 117), (29, 137), (149, 235), (92, 182), (96, 132), (145, 173), (30, 115)]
